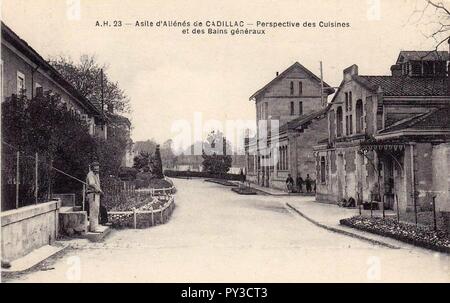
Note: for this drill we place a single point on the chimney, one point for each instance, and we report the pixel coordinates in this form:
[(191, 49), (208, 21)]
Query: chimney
[(277, 73), (350, 71), (396, 70)]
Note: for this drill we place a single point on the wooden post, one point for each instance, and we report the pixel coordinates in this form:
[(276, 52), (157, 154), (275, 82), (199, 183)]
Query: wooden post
[(161, 212), (382, 203), (134, 218), (17, 178), (36, 183), (151, 214)]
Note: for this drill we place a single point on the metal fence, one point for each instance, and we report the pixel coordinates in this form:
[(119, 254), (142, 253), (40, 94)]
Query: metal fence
[(424, 215), (26, 179), (29, 179)]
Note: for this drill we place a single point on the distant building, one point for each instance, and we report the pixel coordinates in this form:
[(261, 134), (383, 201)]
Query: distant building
[(389, 136), (24, 71), (297, 100)]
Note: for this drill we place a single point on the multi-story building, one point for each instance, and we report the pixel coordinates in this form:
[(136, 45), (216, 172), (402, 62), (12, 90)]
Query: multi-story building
[(291, 118), (389, 136), (24, 71)]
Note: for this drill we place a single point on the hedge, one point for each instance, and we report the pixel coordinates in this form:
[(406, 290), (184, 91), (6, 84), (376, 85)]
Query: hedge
[(201, 174)]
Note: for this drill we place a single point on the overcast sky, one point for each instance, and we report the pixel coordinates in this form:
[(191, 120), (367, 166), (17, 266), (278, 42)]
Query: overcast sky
[(169, 76)]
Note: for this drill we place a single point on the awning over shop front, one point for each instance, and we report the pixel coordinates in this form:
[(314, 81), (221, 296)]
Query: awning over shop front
[(391, 146)]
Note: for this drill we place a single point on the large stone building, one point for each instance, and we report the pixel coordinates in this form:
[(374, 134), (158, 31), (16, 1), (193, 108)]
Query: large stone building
[(291, 118), (24, 71), (389, 136)]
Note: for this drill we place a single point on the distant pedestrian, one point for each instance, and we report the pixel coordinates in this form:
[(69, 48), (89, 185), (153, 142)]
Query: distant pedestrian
[(308, 183), (300, 183), (289, 183)]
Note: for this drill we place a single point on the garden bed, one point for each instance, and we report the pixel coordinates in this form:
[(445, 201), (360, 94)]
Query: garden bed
[(155, 212), (421, 236), (221, 182), (244, 190)]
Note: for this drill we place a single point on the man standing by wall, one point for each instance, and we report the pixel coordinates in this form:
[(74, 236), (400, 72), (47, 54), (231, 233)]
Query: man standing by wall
[(93, 195)]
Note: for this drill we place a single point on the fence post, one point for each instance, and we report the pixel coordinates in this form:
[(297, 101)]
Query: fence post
[(434, 213), (151, 214), (36, 184), (17, 178), (134, 218), (84, 196), (382, 202)]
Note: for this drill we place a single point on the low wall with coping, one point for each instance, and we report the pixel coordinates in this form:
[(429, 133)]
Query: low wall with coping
[(28, 228)]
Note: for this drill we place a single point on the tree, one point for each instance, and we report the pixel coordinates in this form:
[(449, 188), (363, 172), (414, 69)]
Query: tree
[(215, 158), (85, 76), (110, 152), (45, 126), (157, 164), (142, 161), (435, 14)]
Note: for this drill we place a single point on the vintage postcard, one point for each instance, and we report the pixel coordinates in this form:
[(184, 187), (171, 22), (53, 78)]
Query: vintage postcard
[(225, 141)]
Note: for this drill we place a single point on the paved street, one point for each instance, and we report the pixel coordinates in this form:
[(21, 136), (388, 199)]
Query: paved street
[(216, 235)]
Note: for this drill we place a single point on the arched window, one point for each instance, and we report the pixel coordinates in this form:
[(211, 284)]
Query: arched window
[(359, 116), (322, 170), (339, 121)]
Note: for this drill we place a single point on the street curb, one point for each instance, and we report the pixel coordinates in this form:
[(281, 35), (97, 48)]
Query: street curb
[(340, 231)]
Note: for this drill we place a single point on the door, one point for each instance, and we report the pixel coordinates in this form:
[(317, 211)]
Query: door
[(389, 185), (340, 176)]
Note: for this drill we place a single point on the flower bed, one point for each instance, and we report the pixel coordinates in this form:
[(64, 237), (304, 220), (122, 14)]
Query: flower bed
[(244, 190), (221, 182), (155, 212), (422, 236)]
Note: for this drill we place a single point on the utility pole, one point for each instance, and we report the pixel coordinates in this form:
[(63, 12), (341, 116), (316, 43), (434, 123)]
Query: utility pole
[(321, 85)]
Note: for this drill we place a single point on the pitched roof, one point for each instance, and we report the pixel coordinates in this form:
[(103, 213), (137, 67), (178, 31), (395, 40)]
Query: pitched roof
[(281, 75), (118, 119), (9, 35), (303, 119), (436, 119), (423, 55), (406, 86)]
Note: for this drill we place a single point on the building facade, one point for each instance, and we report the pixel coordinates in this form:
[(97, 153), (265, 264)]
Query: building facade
[(388, 138), (24, 71), (291, 118)]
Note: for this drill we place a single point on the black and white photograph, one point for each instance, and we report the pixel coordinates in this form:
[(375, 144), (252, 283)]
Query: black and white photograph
[(297, 141)]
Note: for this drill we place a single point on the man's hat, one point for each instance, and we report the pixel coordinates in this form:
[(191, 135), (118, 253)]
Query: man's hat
[(95, 163)]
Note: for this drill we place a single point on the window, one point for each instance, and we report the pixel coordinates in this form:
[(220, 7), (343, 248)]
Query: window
[(416, 68), (322, 170), (346, 126), (300, 108), (350, 120), (300, 88), (350, 101), (346, 101), (292, 108), (359, 116), (339, 121), (266, 110), (20, 83), (428, 68), (37, 89), (292, 87)]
